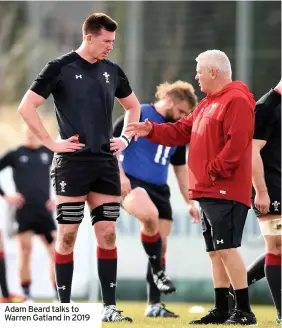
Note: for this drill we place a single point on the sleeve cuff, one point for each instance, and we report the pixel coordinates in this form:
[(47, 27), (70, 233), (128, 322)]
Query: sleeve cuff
[(212, 172), (150, 135)]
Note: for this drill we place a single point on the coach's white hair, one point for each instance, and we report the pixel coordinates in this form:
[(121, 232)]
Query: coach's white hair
[(217, 59)]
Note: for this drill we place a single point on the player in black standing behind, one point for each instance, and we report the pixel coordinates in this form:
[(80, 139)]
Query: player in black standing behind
[(266, 198), (30, 165), (267, 191), (84, 85)]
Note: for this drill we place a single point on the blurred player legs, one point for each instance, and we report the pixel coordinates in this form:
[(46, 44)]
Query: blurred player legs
[(7, 297)]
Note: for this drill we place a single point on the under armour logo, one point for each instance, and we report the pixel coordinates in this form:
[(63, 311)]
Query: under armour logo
[(276, 205), (62, 184), (232, 295), (220, 241), (154, 257), (244, 319), (112, 285), (78, 76), (63, 287), (107, 77)]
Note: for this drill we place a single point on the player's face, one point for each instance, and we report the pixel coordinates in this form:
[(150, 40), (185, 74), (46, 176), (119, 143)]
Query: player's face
[(204, 78), (101, 45), (178, 110)]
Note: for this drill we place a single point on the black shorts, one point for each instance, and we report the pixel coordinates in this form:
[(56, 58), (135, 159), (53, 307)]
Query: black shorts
[(159, 195), (275, 202), (35, 218), (223, 223), (79, 177)]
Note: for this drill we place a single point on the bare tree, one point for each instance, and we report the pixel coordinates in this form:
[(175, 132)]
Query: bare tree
[(14, 42)]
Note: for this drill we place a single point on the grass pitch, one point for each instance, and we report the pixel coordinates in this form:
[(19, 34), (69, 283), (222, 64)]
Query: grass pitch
[(266, 316)]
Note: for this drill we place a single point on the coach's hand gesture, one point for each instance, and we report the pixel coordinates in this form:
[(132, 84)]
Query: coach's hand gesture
[(139, 129), (65, 145)]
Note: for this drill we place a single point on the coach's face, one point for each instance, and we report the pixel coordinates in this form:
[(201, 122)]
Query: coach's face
[(204, 77), (100, 45)]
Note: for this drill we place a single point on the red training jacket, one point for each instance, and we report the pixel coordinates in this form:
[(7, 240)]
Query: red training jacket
[(220, 132)]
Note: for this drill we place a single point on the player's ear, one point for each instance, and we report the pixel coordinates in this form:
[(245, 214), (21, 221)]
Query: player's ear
[(213, 73), (88, 38), (169, 102)]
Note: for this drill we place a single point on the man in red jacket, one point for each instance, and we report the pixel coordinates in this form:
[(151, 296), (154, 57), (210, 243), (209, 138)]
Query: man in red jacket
[(220, 132)]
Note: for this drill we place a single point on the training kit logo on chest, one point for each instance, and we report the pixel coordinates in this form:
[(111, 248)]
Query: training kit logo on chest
[(44, 158), (212, 108), (107, 76), (23, 159), (63, 185)]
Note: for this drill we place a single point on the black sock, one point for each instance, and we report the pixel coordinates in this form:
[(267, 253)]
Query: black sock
[(231, 299), (64, 272), (153, 294), (255, 273), (3, 277), (242, 299), (107, 272), (153, 248), (221, 298), (256, 270), (273, 276), (26, 288)]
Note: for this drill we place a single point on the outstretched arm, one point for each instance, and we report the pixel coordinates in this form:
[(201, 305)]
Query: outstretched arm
[(167, 134)]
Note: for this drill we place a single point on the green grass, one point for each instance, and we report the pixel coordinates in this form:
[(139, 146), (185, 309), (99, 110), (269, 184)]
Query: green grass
[(266, 316)]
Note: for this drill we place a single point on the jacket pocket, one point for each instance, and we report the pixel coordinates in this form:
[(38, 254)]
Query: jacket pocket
[(207, 180), (199, 177)]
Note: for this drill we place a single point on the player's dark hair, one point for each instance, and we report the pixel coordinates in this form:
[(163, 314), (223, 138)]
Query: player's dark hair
[(179, 90), (98, 21)]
